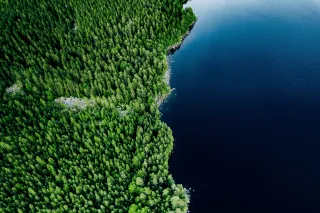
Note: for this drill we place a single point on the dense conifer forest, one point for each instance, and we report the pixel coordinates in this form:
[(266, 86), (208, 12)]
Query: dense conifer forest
[(110, 152)]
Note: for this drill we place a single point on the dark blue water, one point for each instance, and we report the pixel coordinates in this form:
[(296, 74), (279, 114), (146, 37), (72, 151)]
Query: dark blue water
[(246, 114)]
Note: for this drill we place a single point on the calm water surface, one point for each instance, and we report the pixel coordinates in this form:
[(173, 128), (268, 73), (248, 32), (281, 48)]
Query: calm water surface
[(246, 110)]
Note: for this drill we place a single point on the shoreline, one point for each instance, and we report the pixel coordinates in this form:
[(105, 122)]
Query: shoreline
[(172, 49), (167, 76)]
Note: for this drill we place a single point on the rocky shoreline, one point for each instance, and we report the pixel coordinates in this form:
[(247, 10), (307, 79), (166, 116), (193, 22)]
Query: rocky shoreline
[(177, 46), (167, 76), (172, 49), (160, 99)]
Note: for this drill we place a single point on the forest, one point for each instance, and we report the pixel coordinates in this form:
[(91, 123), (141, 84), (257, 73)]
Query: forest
[(80, 130)]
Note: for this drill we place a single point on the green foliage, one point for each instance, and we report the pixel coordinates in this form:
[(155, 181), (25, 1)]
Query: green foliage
[(98, 159)]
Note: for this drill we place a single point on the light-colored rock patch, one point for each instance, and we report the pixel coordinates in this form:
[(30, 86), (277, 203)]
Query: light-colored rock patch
[(161, 98), (15, 88), (167, 75), (75, 103), (123, 112)]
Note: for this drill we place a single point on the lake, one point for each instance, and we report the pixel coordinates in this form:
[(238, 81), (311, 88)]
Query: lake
[(245, 114)]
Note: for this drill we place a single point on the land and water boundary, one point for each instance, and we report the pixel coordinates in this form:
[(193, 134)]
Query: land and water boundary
[(79, 80), (170, 51)]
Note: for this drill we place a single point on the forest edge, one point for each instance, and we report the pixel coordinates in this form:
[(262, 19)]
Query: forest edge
[(171, 50)]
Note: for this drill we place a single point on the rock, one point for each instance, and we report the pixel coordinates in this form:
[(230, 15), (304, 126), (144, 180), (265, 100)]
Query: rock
[(160, 99), (177, 46), (122, 113), (167, 75), (15, 88), (75, 103)]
